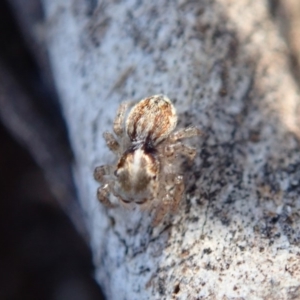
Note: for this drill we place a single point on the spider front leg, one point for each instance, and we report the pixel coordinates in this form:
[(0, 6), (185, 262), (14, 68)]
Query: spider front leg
[(170, 201), (101, 174)]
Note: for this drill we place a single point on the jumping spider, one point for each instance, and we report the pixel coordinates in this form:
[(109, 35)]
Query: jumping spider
[(146, 172)]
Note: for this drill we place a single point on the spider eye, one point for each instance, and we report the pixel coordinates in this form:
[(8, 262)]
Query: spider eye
[(116, 173), (154, 177)]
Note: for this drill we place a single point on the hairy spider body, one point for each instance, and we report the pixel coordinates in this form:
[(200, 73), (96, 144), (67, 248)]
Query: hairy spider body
[(137, 176), (147, 150), (151, 120)]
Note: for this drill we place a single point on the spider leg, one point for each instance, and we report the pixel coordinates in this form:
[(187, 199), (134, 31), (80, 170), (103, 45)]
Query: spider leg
[(118, 126), (103, 195), (170, 201), (177, 192), (178, 148), (112, 143), (185, 133), (101, 174), (102, 171), (161, 210)]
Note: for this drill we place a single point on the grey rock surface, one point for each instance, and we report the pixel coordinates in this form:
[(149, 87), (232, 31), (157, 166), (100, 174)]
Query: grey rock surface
[(224, 65)]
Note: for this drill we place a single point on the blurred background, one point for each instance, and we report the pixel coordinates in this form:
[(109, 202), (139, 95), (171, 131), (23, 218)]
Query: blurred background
[(43, 243)]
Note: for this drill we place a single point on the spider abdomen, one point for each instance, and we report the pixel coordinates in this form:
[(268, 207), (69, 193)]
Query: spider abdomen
[(152, 119)]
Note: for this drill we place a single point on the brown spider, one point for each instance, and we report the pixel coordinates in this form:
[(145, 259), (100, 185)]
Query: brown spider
[(146, 172)]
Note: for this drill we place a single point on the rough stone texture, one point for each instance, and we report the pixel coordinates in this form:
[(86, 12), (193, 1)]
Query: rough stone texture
[(224, 65)]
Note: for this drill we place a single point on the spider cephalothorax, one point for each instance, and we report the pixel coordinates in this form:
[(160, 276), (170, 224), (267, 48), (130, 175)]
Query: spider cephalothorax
[(146, 172)]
